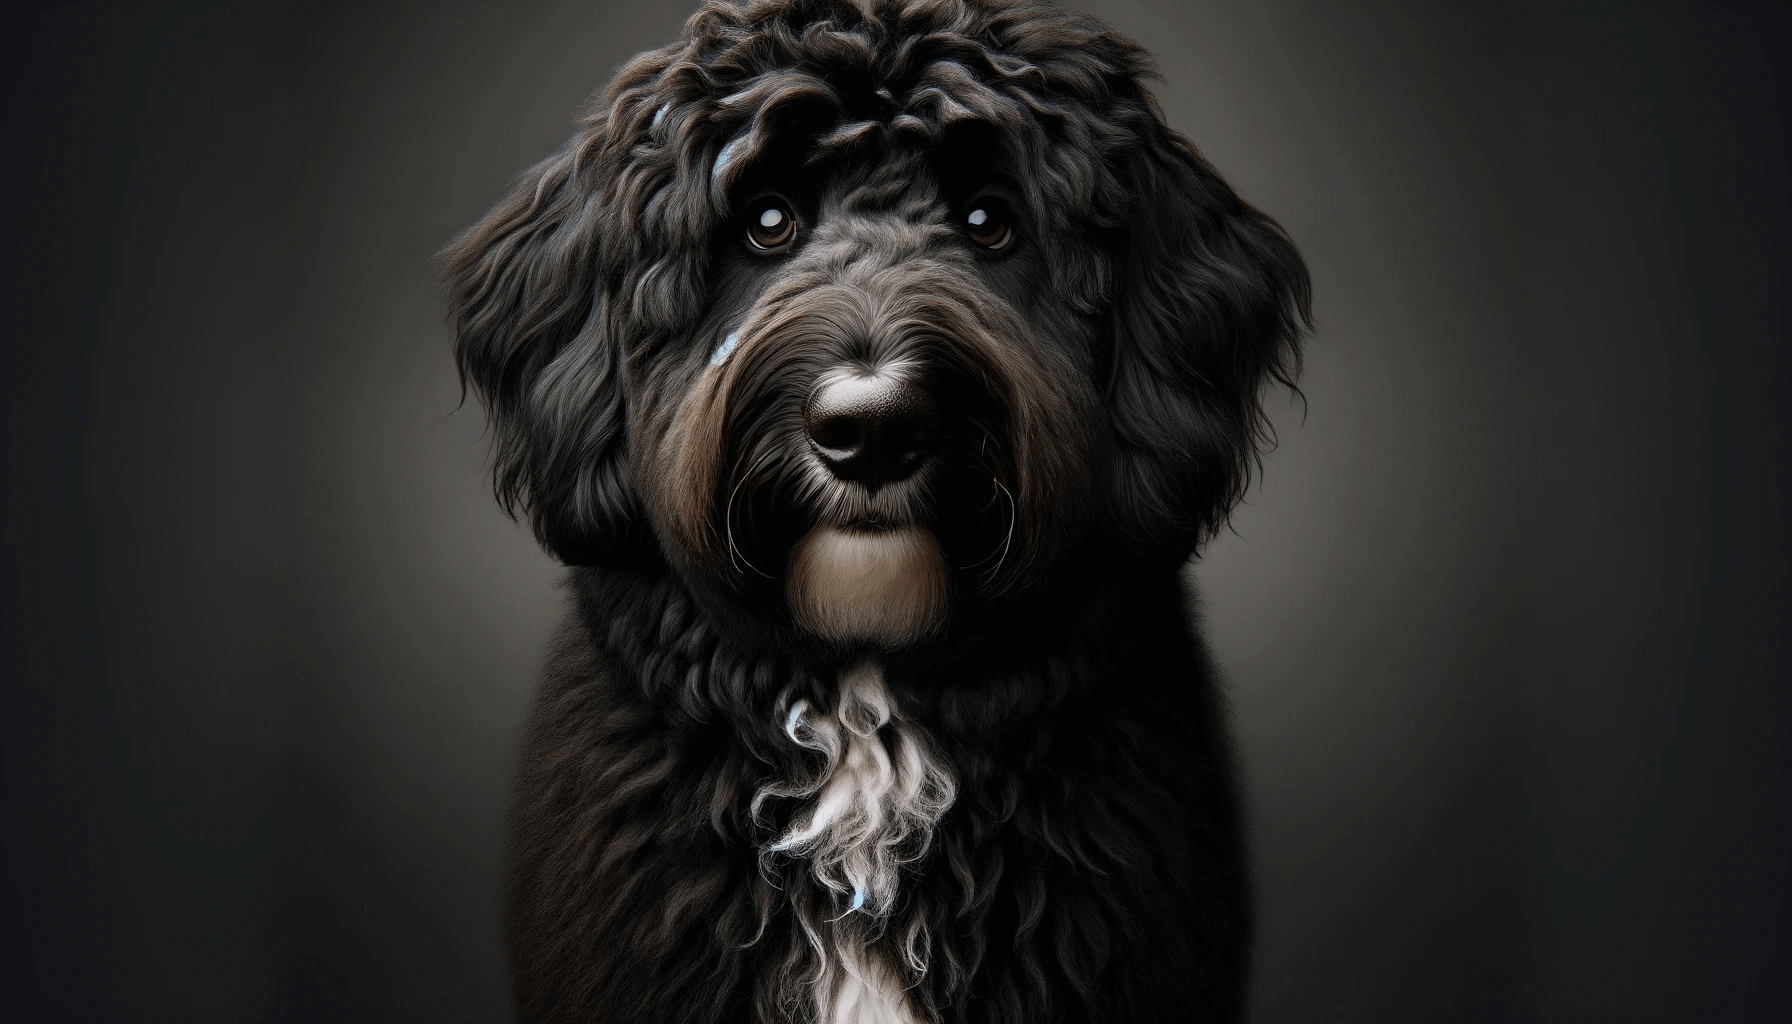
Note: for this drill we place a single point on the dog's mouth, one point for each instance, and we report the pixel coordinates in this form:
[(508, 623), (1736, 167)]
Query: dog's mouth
[(871, 567), (872, 494)]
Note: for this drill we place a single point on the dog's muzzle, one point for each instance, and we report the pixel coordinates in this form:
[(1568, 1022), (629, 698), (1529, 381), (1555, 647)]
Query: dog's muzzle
[(885, 579)]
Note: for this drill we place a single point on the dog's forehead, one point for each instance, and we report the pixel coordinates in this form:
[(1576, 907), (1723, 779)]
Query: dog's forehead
[(868, 162), (902, 181), (872, 84)]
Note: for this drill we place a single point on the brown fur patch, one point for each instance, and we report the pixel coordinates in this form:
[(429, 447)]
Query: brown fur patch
[(884, 585), (693, 448)]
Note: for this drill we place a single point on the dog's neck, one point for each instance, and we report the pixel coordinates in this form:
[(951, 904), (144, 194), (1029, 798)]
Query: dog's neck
[(702, 656)]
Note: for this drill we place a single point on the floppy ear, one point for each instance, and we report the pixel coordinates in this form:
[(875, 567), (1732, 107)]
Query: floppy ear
[(1212, 305), (532, 337)]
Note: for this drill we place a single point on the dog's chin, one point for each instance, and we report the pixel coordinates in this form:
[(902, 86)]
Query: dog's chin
[(885, 587)]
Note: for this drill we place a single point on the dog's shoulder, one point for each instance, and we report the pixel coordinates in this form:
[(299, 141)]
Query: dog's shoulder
[(621, 868)]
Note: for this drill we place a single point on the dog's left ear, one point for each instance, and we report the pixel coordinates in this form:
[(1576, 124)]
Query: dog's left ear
[(533, 339), (1212, 303)]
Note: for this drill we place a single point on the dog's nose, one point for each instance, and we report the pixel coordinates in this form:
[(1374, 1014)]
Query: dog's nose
[(874, 429)]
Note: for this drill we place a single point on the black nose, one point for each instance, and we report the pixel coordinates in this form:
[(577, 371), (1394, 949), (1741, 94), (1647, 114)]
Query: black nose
[(874, 429)]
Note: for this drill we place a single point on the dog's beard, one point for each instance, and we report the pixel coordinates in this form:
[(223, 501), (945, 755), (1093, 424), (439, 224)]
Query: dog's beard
[(876, 586)]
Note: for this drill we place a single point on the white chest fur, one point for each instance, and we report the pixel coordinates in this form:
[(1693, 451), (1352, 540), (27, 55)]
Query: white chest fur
[(872, 810)]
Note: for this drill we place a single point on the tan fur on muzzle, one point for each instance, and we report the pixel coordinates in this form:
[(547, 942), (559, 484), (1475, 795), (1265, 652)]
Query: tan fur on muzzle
[(886, 586)]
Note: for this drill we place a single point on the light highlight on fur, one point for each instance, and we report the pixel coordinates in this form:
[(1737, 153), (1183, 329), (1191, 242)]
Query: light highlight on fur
[(886, 586), (725, 349)]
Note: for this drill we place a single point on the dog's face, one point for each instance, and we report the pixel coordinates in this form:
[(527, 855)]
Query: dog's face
[(886, 402), (861, 317)]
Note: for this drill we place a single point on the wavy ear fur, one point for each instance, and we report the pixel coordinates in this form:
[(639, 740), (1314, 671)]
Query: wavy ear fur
[(1213, 305), (533, 339)]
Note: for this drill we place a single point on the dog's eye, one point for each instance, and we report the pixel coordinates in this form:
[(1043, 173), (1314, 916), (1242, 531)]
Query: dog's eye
[(771, 226), (987, 224)]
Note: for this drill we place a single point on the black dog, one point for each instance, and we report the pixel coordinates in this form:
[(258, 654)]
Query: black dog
[(878, 365)]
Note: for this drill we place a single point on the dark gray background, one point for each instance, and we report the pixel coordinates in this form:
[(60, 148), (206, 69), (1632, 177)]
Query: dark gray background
[(1501, 621)]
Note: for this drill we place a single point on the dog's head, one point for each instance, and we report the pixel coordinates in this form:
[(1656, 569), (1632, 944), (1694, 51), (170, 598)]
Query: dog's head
[(859, 313)]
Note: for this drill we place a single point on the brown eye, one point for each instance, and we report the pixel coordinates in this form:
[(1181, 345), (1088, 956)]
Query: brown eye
[(988, 226), (771, 226)]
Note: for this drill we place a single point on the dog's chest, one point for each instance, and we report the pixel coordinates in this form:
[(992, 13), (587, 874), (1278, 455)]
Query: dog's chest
[(869, 813)]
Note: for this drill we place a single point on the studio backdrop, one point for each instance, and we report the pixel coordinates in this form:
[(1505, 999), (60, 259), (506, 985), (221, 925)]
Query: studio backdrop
[(1500, 620)]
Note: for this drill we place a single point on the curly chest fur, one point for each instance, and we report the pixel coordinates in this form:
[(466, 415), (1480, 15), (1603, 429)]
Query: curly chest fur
[(868, 813)]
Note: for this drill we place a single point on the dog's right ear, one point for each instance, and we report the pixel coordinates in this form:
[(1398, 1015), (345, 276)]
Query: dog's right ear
[(532, 338)]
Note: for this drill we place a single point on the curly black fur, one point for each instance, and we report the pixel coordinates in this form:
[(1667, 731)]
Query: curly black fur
[(1099, 385)]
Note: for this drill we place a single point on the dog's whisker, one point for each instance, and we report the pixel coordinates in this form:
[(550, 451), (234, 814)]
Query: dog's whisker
[(993, 495), (1013, 514), (995, 492), (734, 554)]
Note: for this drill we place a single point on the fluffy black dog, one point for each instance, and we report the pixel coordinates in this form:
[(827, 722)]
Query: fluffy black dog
[(878, 366)]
